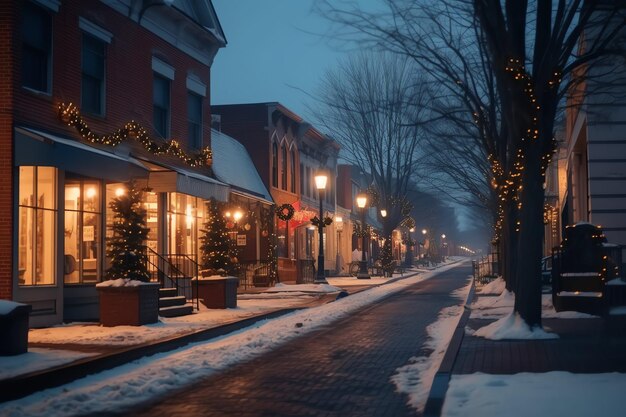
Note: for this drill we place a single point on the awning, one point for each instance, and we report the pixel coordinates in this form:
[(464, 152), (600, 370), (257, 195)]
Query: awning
[(33, 147), (232, 164), (178, 180)]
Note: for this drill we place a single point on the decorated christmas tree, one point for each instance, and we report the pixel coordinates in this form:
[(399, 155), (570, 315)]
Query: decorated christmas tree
[(218, 251), (127, 247), (386, 258)]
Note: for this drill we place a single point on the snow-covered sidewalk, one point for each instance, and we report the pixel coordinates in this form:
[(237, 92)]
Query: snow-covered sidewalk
[(566, 369), (153, 376)]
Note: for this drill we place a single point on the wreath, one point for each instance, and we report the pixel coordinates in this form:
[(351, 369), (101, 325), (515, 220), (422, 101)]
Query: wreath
[(285, 212)]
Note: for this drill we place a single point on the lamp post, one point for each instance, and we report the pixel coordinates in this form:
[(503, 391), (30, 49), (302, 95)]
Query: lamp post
[(320, 184), (408, 260), (339, 226), (361, 201), (443, 246), (424, 232)]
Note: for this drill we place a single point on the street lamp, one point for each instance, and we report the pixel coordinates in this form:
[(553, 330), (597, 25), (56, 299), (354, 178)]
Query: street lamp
[(339, 227), (361, 201), (320, 184), (383, 213), (409, 249)]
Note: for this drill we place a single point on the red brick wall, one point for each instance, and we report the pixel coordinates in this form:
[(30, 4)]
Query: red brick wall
[(7, 71), (248, 124), (128, 75), (344, 186)]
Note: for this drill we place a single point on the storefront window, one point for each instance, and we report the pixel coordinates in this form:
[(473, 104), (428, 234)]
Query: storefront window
[(185, 220), (83, 238), (37, 225), (281, 234)]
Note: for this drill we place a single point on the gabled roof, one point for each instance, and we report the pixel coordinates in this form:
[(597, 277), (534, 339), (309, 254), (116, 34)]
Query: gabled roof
[(203, 13), (232, 164)]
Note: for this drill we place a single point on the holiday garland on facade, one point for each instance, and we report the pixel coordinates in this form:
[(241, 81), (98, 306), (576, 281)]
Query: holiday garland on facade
[(126, 248), (218, 250), (267, 218), (70, 115)]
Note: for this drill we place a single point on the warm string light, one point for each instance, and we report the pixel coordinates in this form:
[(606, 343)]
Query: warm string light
[(70, 115), (508, 184)]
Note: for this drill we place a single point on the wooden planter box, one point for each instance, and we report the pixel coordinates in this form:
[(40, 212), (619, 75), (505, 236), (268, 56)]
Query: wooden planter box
[(217, 292), (129, 306), (14, 330)]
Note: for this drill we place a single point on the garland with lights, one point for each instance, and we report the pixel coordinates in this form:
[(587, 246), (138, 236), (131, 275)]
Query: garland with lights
[(267, 217), (69, 114), (285, 212), (127, 248), (358, 231)]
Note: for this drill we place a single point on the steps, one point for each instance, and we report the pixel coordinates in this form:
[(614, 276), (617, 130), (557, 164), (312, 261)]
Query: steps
[(173, 305)]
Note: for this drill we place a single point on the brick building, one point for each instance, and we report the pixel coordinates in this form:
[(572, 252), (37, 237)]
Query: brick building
[(288, 152), (117, 61)]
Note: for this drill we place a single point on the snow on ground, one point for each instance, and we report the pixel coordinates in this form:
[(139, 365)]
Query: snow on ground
[(495, 287), (94, 334), (313, 288), (543, 394), (512, 327), (35, 360), (153, 376), (497, 307), (416, 378)]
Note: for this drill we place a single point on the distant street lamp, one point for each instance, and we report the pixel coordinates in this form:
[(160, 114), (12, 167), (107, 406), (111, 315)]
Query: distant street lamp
[(361, 201), (339, 227), (320, 184), (383, 213), (409, 249)]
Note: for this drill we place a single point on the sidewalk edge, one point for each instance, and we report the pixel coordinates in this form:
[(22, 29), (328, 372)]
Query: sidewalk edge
[(441, 381)]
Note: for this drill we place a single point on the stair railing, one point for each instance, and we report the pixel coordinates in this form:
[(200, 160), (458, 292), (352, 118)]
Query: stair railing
[(175, 271)]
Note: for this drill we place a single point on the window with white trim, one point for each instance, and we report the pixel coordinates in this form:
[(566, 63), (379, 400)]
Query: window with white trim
[(194, 120), (93, 75), (36, 33), (161, 105)]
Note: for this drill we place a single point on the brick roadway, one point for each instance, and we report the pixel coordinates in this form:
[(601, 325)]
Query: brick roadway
[(343, 369)]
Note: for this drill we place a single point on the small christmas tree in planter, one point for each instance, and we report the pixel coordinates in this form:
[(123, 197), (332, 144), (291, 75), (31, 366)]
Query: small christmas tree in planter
[(218, 286), (127, 298)]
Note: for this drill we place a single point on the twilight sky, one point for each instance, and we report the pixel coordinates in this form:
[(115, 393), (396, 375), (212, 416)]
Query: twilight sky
[(274, 48)]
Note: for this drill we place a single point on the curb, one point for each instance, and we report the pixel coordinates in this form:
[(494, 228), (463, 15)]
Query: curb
[(26, 384), (441, 381)]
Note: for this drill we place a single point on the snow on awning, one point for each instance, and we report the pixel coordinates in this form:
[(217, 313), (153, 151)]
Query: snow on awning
[(232, 164)]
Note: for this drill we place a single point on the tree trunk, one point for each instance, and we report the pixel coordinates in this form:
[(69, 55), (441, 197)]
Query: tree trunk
[(530, 241)]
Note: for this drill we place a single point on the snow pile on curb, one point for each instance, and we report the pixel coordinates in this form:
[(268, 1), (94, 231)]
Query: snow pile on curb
[(512, 327), (495, 287), (415, 379)]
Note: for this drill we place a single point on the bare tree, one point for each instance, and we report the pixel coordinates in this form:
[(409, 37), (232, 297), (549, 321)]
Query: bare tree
[(372, 104), (512, 81), (533, 47)]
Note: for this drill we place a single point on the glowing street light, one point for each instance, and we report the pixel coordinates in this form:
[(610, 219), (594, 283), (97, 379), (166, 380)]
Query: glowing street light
[(320, 184), (361, 201)]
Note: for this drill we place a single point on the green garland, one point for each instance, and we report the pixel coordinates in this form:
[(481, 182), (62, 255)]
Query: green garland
[(68, 113)]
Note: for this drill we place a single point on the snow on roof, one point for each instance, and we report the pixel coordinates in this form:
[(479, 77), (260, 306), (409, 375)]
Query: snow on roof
[(232, 164)]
